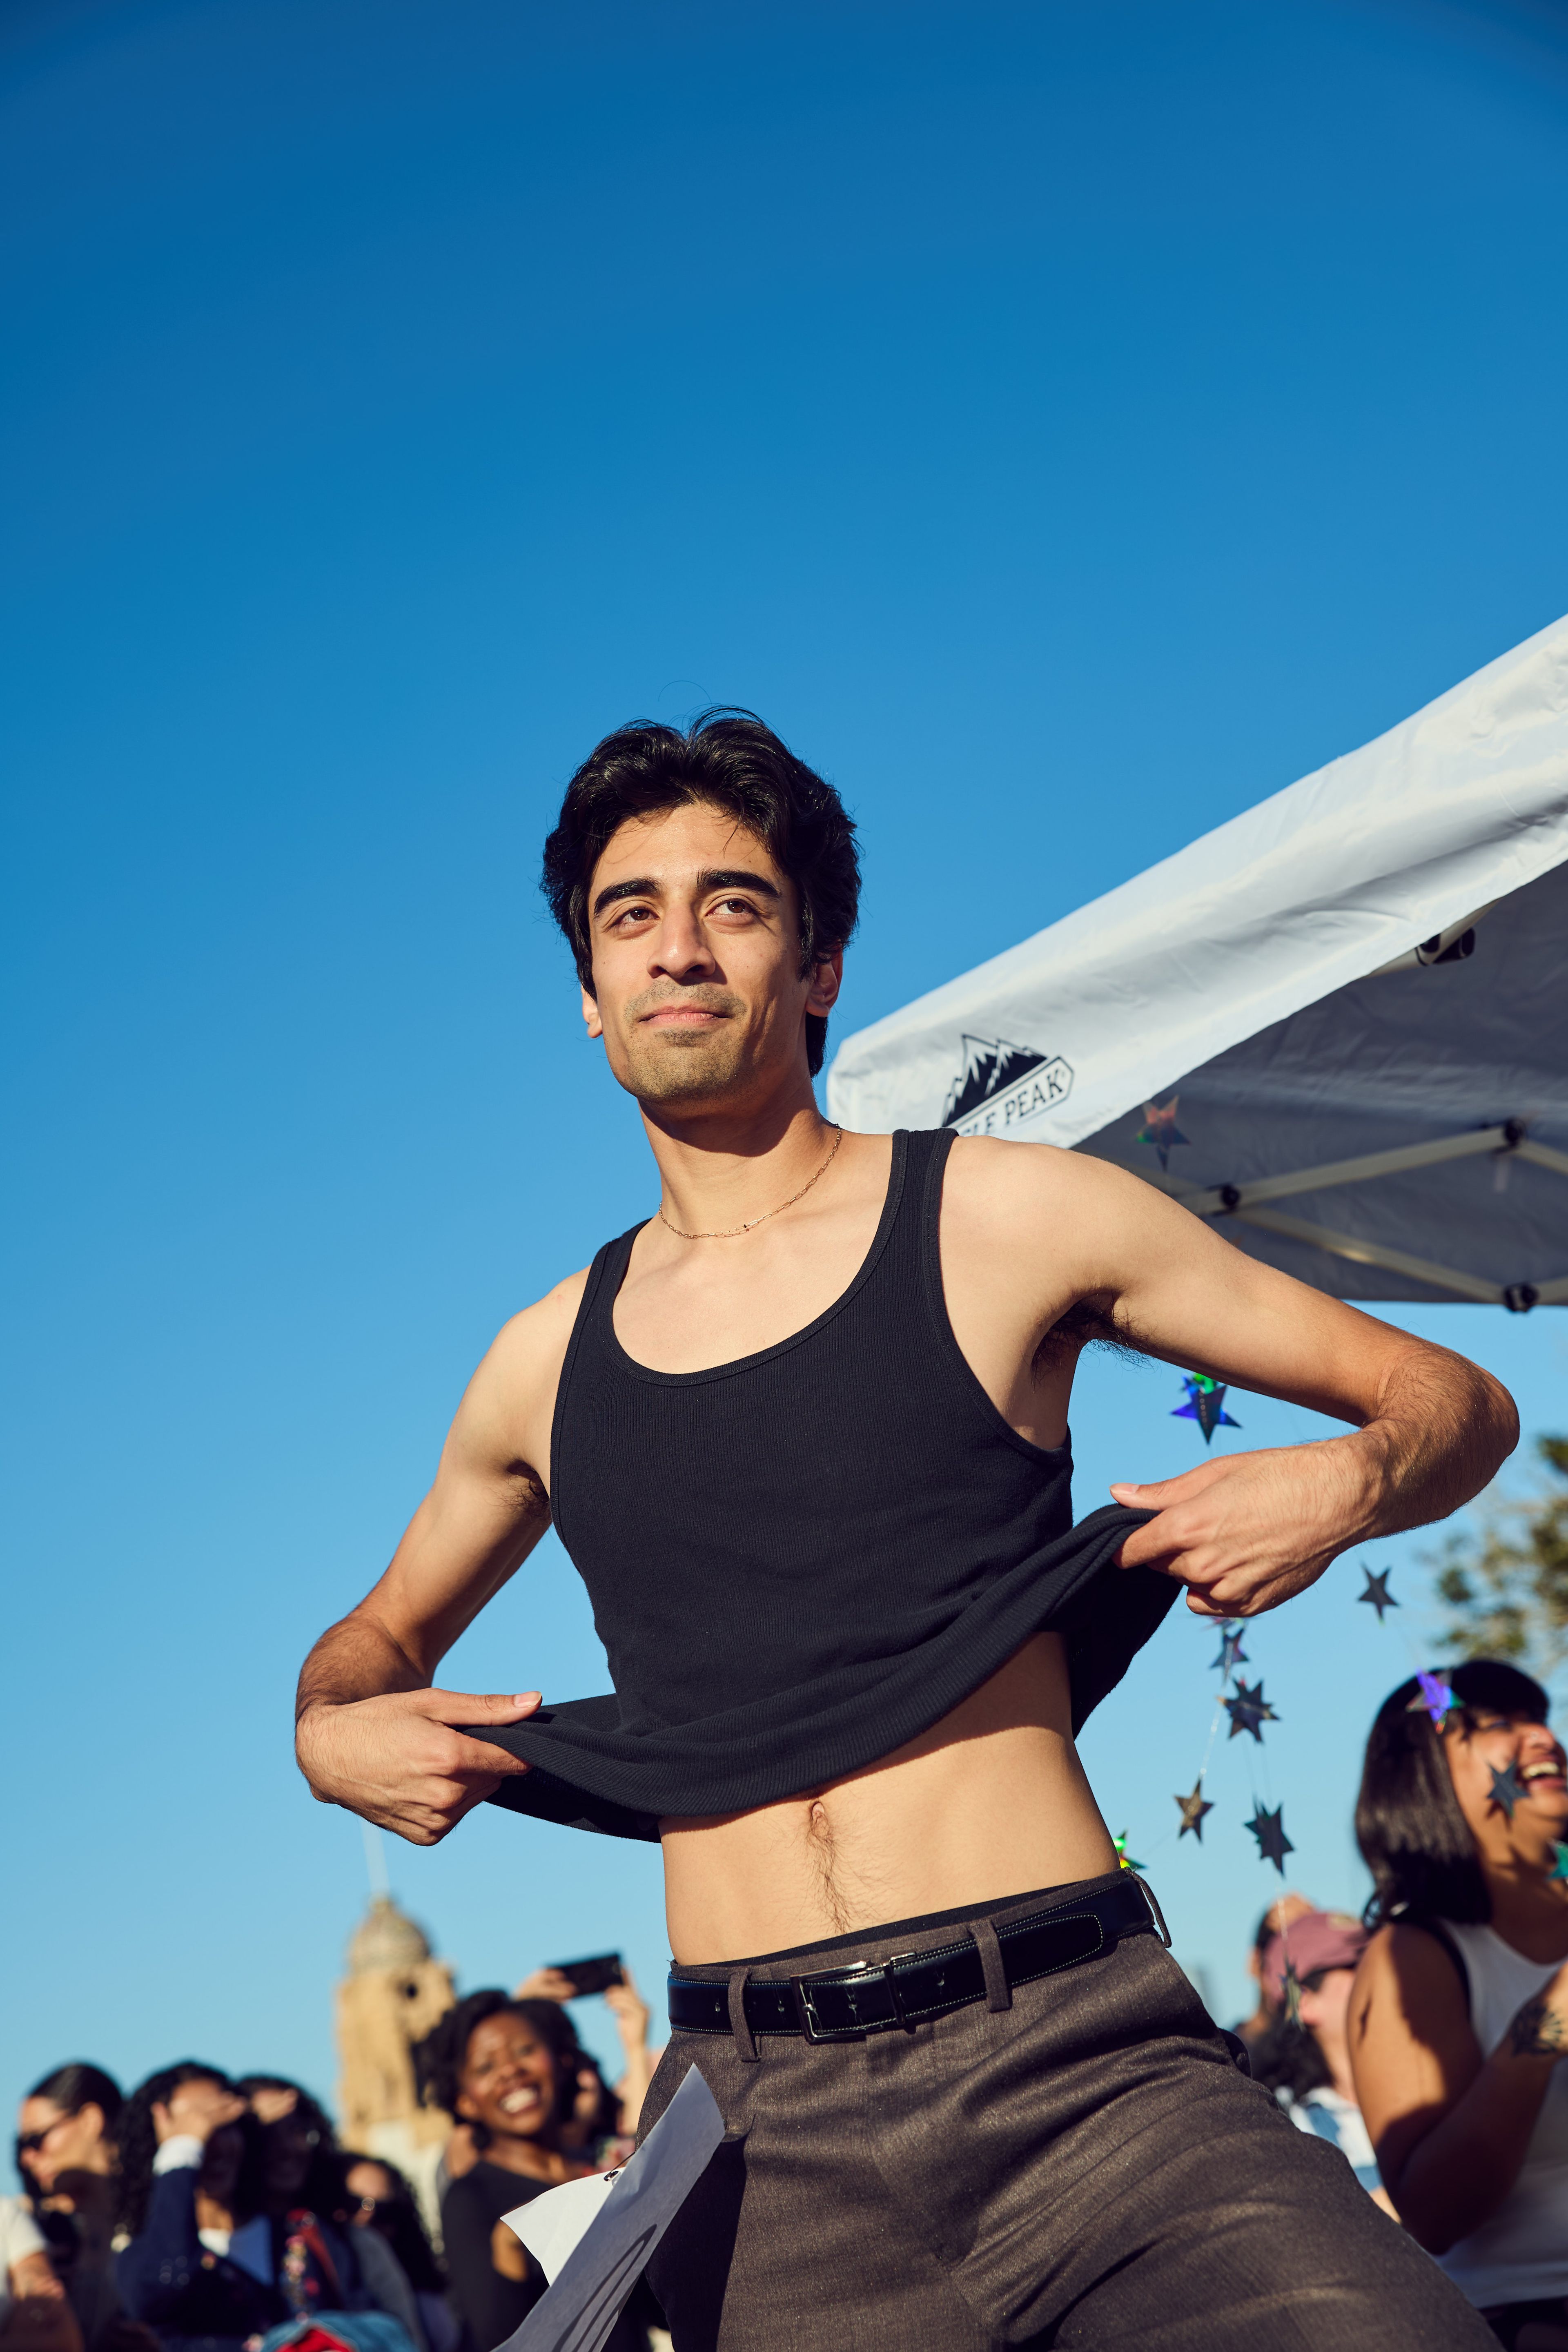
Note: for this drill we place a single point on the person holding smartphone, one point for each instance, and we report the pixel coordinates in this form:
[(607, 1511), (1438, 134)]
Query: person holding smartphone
[(613, 2114)]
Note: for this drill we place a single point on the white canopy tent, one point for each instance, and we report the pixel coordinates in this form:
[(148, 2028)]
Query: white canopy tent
[(1339, 1023)]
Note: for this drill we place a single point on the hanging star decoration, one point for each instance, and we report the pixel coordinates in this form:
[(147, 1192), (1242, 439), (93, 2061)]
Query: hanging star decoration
[(1204, 1404), (1193, 1809), (1434, 1697), (1161, 1130), (1505, 1790), (1249, 1710), (1231, 1653), (1377, 1595), (1269, 1829), (1559, 1862), (1292, 1990), (1124, 1857)]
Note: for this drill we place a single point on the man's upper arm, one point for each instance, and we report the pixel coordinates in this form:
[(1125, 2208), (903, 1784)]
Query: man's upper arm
[(1175, 1288), (489, 1504)]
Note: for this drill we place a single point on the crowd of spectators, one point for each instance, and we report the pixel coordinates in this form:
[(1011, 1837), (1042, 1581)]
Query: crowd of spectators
[(204, 2213)]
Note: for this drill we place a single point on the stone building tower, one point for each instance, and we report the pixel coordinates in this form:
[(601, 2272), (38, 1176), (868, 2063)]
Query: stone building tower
[(392, 1996)]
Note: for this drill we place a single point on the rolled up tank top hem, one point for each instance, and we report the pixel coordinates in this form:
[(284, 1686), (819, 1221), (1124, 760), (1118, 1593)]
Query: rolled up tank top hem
[(732, 1763)]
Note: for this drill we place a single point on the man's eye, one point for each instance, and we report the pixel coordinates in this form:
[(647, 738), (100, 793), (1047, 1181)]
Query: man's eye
[(735, 907)]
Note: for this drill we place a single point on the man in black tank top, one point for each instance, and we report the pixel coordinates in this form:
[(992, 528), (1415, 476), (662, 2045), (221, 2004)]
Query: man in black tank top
[(804, 1435)]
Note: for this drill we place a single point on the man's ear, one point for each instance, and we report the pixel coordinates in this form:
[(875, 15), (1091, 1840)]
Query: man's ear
[(827, 978), (595, 1026)]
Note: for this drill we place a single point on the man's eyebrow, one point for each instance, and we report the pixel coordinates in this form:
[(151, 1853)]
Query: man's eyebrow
[(737, 877), (640, 887), (722, 877)]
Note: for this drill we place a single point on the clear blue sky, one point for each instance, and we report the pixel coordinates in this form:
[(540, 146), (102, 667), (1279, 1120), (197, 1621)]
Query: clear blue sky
[(1066, 424)]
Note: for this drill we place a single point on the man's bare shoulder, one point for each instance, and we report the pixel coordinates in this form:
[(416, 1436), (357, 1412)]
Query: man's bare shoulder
[(1002, 1191), (506, 1413), (536, 1338)]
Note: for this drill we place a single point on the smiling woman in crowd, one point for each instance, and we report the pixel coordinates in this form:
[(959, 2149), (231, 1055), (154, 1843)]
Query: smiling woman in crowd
[(508, 2069), (1460, 2017)]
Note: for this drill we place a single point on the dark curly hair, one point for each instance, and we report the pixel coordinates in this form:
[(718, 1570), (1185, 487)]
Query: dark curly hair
[(439, 2058), (730, 759), (1413, 1837), (138, 2138)]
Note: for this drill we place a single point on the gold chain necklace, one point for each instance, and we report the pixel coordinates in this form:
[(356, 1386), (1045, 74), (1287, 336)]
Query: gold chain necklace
[(731, 1232)]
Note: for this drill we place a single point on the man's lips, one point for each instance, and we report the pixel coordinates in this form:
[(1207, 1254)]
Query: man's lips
[(681, 1016)]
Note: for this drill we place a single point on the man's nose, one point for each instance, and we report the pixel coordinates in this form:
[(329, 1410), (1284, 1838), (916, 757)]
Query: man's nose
[(680, 947)]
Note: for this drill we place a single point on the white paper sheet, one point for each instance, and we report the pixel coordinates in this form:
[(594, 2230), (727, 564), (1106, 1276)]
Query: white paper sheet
[(592, 2237)]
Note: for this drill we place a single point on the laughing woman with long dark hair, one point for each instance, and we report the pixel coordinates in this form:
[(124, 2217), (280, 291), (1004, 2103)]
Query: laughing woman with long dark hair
[(1459, 2022)]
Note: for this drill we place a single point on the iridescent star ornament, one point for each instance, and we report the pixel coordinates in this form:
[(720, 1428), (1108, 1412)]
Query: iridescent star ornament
[(1193, 1809), (1292, 1994), (1435, 1697), (1204, 1404), (1161, 1130), (1231, 1653), (1269, 1829), (1123, 1858), (1249, 1710), (1506, 1789), (1377, 1595)]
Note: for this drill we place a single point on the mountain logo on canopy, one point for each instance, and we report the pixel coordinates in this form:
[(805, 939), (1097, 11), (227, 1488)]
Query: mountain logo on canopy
[(1000, 1086)]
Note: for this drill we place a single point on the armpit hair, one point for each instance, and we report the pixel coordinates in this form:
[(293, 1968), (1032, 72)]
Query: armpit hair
[(1088, 1323)]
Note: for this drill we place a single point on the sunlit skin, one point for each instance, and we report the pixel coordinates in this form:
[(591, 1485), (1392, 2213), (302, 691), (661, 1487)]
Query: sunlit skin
[(1451, 2125), (699, 999)]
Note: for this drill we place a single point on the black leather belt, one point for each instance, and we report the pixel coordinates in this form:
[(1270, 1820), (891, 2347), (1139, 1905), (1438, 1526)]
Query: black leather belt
[(841, 2004)]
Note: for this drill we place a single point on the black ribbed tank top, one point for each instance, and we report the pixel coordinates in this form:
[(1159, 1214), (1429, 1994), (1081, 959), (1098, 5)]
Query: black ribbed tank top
[(800, 1561)]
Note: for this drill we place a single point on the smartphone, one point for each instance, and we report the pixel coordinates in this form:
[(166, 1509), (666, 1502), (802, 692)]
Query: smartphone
[(592, 1975)]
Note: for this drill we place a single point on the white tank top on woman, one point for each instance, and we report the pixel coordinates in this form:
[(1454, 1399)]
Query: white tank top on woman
[(1520, 2256)]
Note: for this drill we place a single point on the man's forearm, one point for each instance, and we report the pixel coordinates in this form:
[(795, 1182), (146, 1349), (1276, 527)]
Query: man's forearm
[(1442, 1430), (356, 1658)]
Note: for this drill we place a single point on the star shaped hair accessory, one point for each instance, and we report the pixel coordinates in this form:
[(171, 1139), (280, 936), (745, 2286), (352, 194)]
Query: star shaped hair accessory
[(1124, 1857), (1161, 1128), (1193, 1809), (1204, 1404), (1269, 1829), (1377, 1595), (1231, 1653), (1506, 1789), (1250, 1710), (1435, 1697)]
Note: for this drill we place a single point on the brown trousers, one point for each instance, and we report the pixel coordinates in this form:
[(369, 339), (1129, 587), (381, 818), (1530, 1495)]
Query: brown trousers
[(1087, 2168)]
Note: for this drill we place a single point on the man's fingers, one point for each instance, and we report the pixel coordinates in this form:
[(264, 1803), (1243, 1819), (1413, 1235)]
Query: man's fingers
[(460, 1708), (483, 1756)]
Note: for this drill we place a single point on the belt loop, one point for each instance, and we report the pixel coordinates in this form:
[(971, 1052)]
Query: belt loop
[(739, 2023), (998, 1993), (1152, 1900)]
